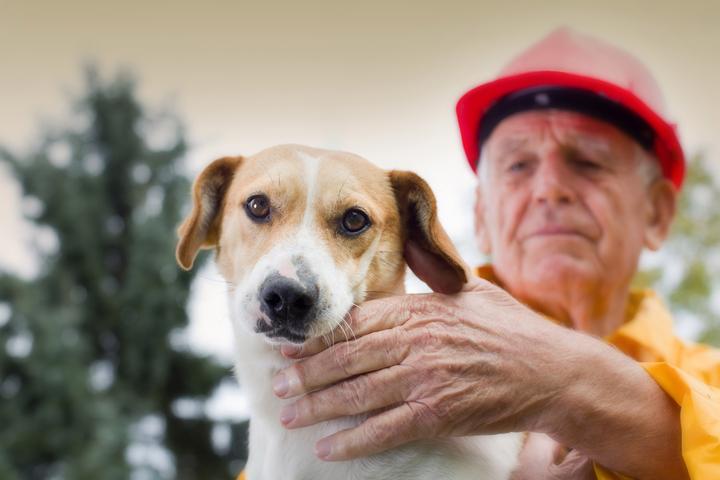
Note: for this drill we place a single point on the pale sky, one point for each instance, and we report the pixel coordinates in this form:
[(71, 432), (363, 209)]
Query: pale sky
[(376, 78)]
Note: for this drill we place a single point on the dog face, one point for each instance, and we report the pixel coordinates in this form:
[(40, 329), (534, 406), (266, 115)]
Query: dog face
[(303, 234)]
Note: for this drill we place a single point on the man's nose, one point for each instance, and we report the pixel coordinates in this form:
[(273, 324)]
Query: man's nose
[(287, 302), (552, 182)]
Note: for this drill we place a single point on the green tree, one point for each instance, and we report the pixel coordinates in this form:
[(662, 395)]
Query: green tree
[(687, 269), (91, 369)]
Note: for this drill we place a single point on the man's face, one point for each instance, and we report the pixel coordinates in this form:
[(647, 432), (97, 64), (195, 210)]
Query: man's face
[(562, 198)]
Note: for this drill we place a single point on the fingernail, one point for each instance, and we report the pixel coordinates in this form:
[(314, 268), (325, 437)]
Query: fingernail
[(323, 448), (280, 385), (290, 350), (288, 414)]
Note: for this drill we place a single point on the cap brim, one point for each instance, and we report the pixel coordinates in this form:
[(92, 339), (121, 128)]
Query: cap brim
[(472, 107)]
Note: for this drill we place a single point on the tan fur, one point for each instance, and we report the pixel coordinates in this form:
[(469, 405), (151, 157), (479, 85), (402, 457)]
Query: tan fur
[(418, 208), (201, 228), (218, 219), (347, 181), (302, 241)]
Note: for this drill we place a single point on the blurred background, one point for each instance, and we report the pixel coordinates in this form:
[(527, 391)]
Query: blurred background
[(115, 364)]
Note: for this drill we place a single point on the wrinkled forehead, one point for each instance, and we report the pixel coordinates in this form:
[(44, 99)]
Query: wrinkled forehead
[(530, 130)]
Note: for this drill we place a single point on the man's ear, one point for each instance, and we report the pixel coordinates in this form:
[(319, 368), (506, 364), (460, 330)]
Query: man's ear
[(428, 250), (482, 236), (201, 228), (663, 202)]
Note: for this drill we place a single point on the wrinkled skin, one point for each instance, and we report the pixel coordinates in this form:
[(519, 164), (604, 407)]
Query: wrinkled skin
[(417, 375), (565, 209), (565, 232)]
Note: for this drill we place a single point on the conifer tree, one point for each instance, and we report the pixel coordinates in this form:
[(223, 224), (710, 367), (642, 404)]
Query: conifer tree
[(91, 368)]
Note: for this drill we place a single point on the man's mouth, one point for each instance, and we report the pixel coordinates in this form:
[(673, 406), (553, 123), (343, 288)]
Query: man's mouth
[(555, 231)]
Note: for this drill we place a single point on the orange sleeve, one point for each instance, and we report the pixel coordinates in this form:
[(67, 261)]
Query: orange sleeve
[(699, 402), (603, 474), (699, 414)]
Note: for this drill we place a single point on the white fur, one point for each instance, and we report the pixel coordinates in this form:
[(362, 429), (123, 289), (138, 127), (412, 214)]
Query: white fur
[(335, 299), (312, 167), (336, 293), (276, 453)]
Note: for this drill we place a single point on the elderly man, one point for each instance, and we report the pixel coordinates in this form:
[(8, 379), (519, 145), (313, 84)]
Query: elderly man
[(577, 173)]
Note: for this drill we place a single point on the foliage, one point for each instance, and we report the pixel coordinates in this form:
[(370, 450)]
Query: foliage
[(91, 366), (687, 270)]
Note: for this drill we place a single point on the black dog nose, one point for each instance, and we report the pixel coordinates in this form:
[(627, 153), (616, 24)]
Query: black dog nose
[(287, 302)]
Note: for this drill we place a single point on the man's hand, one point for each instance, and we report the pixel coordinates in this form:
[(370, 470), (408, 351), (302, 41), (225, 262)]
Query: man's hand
[(429, 366), (478, 362)]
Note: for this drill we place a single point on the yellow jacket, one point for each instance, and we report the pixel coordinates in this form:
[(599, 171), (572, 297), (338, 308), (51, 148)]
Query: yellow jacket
[(690, 374)]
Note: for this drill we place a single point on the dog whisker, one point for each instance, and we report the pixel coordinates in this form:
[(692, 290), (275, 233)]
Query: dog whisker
[(342, 329), (344, 321), (328, 340)]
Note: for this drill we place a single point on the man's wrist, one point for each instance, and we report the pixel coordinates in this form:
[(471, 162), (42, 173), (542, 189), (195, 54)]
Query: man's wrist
[(610, 407), (571, 375)]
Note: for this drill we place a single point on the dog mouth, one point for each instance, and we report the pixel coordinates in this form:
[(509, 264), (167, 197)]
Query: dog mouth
[(282, 332)]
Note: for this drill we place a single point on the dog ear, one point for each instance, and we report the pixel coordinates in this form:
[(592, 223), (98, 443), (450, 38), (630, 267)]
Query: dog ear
[(201, 228), (429, 252)]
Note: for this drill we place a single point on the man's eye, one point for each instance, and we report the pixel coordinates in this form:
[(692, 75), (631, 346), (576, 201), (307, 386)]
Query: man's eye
[(518, 166), (586, 164), (257, 208)]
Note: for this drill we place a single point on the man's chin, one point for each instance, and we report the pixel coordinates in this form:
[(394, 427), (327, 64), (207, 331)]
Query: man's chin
[(560, 270)]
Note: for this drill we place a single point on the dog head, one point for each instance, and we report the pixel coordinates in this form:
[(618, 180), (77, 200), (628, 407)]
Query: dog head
[(302, 235)]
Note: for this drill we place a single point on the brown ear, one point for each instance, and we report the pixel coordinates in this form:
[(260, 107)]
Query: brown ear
[(201, 228), (429, 252)]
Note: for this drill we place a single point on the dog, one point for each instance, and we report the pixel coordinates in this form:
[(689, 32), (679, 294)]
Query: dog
[(301, 236)]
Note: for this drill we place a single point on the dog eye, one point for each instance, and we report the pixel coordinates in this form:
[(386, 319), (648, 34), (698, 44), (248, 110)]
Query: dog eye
[(258, 207), (355, 221)]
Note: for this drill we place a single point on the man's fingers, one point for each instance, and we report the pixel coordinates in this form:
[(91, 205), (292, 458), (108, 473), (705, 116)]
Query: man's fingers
[(356, 396), (376, 315), (372, 316), (372, 352), (378, 433)]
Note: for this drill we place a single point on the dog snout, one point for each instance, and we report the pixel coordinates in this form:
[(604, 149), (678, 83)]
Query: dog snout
[(287, 302)]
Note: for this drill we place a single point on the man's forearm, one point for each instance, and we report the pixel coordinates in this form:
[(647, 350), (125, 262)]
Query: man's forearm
[(613, 412)]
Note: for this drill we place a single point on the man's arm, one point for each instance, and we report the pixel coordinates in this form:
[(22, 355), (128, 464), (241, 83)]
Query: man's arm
[(479, 362), (614, 413)]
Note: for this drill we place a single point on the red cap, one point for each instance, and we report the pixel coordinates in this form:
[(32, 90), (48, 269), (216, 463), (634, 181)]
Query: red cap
[(568, 59)]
